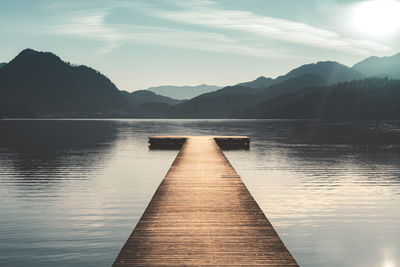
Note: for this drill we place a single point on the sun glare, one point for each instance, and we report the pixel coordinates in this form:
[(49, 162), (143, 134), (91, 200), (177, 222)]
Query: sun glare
[(377, 17), (388, 264)]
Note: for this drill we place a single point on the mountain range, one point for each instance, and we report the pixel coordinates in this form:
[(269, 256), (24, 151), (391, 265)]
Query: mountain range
[(331, 71), (40, 84), (144, 96), (183, 92), (373, 98), (232, 101)]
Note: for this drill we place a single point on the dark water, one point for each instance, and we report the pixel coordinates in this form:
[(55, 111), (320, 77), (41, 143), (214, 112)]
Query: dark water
[(71, 191)]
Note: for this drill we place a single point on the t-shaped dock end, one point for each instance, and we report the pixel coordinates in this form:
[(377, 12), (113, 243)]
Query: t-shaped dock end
[(176, 142)]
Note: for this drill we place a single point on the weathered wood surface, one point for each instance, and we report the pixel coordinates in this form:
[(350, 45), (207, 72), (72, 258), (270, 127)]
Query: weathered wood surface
[(203, 214)]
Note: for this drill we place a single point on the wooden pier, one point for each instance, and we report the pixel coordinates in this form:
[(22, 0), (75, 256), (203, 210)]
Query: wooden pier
[(203, 214)]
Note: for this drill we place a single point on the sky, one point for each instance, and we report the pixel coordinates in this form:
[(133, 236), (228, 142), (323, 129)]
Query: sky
[(143, 43)]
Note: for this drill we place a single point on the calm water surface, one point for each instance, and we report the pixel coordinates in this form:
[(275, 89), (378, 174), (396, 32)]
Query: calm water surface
[(72, 191)]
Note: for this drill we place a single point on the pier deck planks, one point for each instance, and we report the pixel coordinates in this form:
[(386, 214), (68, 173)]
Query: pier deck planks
[(203, 214)]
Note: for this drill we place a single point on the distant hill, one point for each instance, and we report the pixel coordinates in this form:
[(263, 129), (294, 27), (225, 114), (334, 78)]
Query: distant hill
[(232, 101), (380, 66), (223, 103), (150, 105), (183, 92), (359, 99), (2, 64), (40, 84), (331, 71), (292, 85), (260, 82), (144, 96)]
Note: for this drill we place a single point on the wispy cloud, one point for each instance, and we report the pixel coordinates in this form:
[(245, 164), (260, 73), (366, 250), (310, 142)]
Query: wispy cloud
[(270, 28), (90, 25), (197, 40), (216, 33)]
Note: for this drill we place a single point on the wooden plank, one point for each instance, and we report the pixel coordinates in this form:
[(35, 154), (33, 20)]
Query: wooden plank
[(203, 214)]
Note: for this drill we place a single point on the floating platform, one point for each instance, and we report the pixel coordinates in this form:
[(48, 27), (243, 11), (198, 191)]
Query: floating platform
[(176, 142), (203, 214)]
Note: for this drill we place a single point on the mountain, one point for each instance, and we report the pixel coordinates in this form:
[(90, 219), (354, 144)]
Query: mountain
[(219, 104), (41, 84), (150, 105), (258, 83), (144, 96), (2, 64), (292, 85), (232, 101), (183, 92), (331, 71), (359, 99), (380, 66)]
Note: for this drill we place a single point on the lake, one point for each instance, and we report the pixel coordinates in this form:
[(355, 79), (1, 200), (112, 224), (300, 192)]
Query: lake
[(72, 190)]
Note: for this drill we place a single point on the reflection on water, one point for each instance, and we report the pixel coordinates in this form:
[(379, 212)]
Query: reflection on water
[(39, 153), (72, 190)]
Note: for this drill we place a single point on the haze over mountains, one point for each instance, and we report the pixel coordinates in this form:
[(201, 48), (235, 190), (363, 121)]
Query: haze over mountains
[(380, 66), (144, 96), (373, 98), (183, 92), (258, 83), (40, 84), (232, 101), (331, 71)]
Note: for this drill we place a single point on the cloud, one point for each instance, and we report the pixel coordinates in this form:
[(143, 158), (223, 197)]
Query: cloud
[(197, 40), (269, 28), (90, 25), (218, 31)]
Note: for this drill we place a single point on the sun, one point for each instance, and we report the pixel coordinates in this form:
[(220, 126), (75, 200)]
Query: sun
[(377, 17)]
